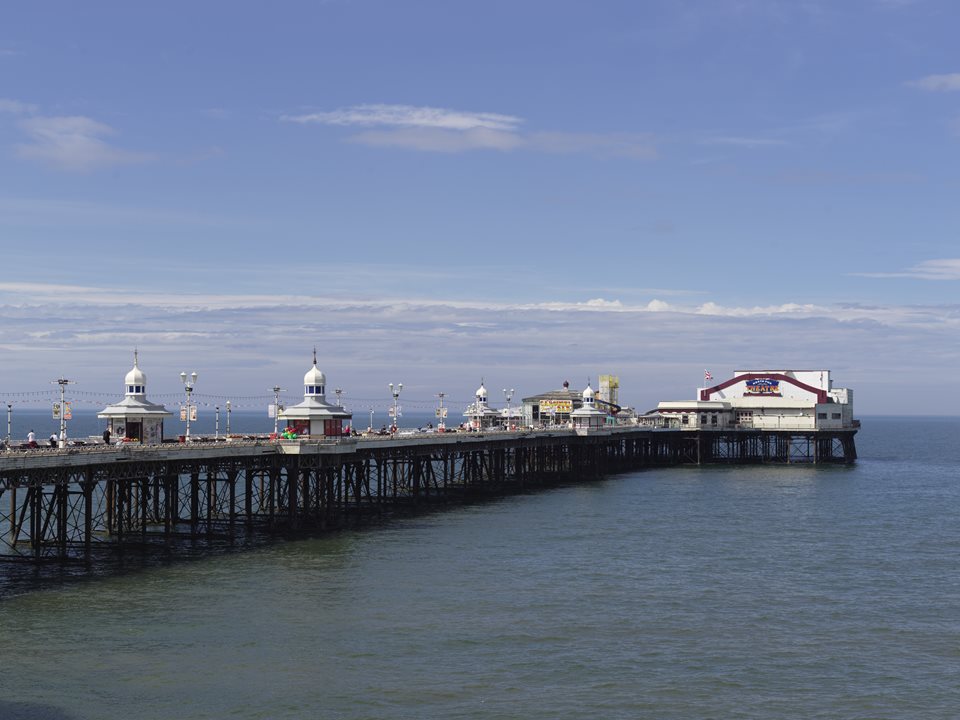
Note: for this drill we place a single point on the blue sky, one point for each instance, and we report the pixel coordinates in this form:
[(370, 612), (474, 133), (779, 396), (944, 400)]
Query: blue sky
[(527, 192)]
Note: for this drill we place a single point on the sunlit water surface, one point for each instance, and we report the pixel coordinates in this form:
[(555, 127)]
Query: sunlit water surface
[(751, 592)]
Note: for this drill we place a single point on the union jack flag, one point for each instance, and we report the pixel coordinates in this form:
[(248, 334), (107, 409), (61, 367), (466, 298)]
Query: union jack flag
[(707, 375)]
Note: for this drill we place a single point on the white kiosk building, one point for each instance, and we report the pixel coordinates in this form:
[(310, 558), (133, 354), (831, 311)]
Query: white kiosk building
[(588, 417), (135, 418), (315, 417), (480, 415)]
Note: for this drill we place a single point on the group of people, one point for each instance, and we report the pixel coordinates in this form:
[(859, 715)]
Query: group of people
[(53, 442)]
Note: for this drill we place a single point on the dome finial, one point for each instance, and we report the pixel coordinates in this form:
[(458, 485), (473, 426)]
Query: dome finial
[(314, 355), (135, 358)]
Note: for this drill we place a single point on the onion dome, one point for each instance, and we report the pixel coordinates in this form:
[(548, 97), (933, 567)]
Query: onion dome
[(135, 380), (481, 392), (588, 394), (314, 382), (314, 376)]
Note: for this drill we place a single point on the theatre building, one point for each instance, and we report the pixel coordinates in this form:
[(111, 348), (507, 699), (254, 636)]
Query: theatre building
[(762, 399)]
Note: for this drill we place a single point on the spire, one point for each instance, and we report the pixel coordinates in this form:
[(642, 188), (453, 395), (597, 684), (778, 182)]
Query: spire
[(314, 355), (135, 358)]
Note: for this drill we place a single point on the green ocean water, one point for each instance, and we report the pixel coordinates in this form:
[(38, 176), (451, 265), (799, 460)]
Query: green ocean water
[(754, 592)]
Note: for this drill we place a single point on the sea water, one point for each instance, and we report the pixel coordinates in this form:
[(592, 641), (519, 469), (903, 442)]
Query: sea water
[(694, 592)]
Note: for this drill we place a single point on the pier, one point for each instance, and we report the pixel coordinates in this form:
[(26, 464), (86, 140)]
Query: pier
[(69, 504)]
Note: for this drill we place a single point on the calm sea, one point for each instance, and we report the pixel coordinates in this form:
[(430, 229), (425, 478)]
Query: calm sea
[(754, 592)]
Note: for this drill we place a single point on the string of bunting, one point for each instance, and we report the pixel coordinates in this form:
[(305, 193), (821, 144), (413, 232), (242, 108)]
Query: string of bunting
[(102, 399)]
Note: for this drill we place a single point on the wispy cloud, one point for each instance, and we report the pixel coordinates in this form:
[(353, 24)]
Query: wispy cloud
[(16, 107), (73, 143), (439, 139), (410, 116), (938, 83), (445, 130), (944, 269), (640, 146), (747, 142)]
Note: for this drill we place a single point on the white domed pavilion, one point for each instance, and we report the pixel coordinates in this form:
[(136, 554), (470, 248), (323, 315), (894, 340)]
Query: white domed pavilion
[(588, 416), (134, 417), (315, 417)]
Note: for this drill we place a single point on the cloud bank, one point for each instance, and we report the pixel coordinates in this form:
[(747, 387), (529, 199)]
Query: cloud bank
[(242, 343)]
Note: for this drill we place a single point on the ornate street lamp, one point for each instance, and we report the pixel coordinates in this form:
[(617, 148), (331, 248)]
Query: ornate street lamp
[(395, 391), (188, 382)]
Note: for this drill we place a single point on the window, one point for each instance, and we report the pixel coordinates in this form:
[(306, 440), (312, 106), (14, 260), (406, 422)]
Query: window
[(713, 419), (685, 419), (703, 419), (821, 416), (835, 416)]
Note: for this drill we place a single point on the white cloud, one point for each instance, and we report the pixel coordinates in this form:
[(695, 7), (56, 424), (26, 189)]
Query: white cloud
[(72, 143), (938, 83)]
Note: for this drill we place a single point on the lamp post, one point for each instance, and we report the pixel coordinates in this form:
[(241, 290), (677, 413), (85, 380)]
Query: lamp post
[(508, 394), (441, 413), (395, 391), (338, 392), (188, 382), (371, 420), (63, 410), (276, 408), (216, 432), (228, 418), (9, 421)]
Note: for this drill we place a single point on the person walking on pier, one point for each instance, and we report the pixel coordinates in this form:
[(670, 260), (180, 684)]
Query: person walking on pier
[(106, 436), (32, 439), (53, 440)]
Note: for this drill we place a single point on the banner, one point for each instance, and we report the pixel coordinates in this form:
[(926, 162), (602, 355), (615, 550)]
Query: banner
[(556, 406), (67, 411), (56, 411)]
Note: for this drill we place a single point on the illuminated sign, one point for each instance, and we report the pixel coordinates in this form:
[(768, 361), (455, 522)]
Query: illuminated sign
[(763, 386)]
